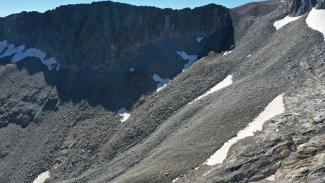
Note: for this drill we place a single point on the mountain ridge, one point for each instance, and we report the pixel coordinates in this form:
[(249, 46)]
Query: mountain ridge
[(159, 114)]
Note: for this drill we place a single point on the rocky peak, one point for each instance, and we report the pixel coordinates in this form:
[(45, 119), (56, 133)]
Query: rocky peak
[(299, 7)]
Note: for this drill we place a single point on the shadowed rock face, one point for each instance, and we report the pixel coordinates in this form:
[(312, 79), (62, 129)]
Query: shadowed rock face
[(78, 33), (98, 44), (321, 4)]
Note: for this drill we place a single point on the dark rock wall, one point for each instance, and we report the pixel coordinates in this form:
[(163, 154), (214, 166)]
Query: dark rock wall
[(97, 44), (102, 32), (321, 4)]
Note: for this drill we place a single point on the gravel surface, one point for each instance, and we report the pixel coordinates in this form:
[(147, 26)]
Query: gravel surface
[(66, 121)]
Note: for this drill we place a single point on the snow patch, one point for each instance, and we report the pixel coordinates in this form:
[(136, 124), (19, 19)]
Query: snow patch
[(286, 20), (162, 83), (189, 58), (199, 39), (227, 52), (223, 84), (273, 109), (19, 53), (124, 113), (301, 146), (270, 178), (231, 48), (315, 20), (42, 177), (11, 49)]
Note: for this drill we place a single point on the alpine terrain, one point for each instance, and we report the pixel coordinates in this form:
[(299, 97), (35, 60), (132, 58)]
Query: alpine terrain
[(110, 92)]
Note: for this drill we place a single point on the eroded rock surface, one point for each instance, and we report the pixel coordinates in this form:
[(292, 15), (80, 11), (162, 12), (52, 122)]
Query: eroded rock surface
[(67, 121)]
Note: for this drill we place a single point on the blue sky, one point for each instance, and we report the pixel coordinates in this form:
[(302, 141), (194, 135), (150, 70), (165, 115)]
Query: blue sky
[(16, 6)]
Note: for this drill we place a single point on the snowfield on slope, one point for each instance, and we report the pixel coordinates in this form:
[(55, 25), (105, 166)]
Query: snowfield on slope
[(124, 113), (274, 108), (162, 83), (42, 177), (189, 58), (223, 84), (286, 20), (315, 20), (19, 53)]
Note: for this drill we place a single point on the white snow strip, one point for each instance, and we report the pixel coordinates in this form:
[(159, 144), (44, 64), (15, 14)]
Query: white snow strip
[(315, 20), (11, 49), (132, 69), (19, 53), (223, 84), (189, 58), (42, 177), (199, 39), (31, 52), (162, 83), (227, 52), (286, 20), (124, 113), (273, 109)]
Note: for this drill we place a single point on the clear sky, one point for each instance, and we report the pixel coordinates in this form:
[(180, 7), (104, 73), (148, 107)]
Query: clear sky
[(8, 7)]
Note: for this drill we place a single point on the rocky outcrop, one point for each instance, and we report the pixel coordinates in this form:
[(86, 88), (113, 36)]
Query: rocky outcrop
[(321, 4), (299, 7)]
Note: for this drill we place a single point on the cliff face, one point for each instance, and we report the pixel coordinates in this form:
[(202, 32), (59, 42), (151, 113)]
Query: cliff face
[(107, 48), (77, 34)]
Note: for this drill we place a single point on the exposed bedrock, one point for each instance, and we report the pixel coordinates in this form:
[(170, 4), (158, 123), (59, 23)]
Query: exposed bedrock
[(299, 7), (109, 92)]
